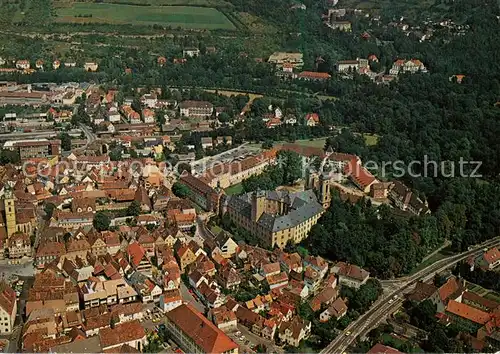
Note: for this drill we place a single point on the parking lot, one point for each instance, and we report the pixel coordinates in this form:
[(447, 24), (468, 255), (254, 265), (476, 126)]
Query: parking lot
[(153, 316), (237, 153), (249, 341)]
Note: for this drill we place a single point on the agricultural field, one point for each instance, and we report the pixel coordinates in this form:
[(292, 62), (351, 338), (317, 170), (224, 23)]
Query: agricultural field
[(120, 14)]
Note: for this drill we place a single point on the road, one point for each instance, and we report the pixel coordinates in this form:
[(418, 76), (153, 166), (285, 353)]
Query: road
[(91, 137), (387, 304), (188, 297)]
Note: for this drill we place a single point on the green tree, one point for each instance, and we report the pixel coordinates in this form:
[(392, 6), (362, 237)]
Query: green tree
[(49, 209), (180, 190), (134, 208), (101, 221), (65, 141)]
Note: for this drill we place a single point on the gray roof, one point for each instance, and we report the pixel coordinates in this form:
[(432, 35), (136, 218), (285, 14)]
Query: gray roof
[(87, 345), (302, 206)]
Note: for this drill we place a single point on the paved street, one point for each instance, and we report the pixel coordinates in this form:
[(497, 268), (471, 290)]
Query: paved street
[(188, 297), (255, 340)]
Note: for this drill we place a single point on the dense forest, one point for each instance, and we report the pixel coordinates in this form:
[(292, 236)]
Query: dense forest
[(385, 244)]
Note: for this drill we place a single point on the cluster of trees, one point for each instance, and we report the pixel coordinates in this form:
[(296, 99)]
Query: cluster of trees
[(9, 156), (286, 172), (486, 278), (374, 238)]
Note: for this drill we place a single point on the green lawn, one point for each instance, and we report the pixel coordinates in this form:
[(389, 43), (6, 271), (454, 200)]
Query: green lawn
[(216, 229), (175, 16), (235, 189), (316, 143), (370, 139)]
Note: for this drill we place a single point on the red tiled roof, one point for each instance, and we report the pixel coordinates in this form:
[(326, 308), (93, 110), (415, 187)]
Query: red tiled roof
[(468, 312), (314, 75), (448, 288), (7, 297), (136, 253), (203, 332), (359, 173), (121, 334), (380, 348), (492, 255)]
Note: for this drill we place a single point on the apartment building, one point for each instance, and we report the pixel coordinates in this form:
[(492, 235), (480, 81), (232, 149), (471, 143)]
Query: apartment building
[(36, 148)]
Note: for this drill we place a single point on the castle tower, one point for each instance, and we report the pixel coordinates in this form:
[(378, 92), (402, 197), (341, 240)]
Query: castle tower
[(258, 204), (10, 211), (325, 196)]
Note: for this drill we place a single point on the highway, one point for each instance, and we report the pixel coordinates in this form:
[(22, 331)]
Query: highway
[(391, 302)]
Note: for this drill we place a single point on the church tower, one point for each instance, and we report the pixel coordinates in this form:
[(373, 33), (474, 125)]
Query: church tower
[(325, 196), (10, 211)]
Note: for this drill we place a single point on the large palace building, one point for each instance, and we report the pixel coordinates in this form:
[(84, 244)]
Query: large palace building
[(277, 217)]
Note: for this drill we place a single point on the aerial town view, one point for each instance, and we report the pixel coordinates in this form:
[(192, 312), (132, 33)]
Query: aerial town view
[(260, 176)]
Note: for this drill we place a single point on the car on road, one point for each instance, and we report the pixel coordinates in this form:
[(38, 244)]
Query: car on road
[(391, 301), (348, 333)]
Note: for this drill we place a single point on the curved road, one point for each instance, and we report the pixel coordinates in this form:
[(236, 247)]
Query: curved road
[(384, 305)]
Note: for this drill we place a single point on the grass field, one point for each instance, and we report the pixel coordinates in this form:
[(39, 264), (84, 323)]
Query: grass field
[(316, 143), (233, 190), (175, 16), (370, 139)]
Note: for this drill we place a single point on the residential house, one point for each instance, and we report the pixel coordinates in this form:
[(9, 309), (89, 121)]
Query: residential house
[(185, 255), (312, 119), (191, 52), (451, 290), (128, 333), (337, 310), (170, 300), (90, 66), (225, 319), (294, 331), (350, 275), (207, 143), (138, 258), (407, 66), (325, 297), (379, 348), (405, 199), (145, 287), (489, 259), (8, 308)]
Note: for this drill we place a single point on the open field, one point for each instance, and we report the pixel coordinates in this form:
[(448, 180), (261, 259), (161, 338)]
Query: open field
[(175, 16), (316, 143), (370, 139)]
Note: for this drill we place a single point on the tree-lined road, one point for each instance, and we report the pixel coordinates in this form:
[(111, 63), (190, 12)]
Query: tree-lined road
[(390, 303)]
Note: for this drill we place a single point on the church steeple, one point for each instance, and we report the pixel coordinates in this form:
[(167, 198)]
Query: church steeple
[(10, 210)]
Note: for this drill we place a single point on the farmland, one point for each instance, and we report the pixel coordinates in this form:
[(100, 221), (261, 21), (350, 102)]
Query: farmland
[(174, 16)]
